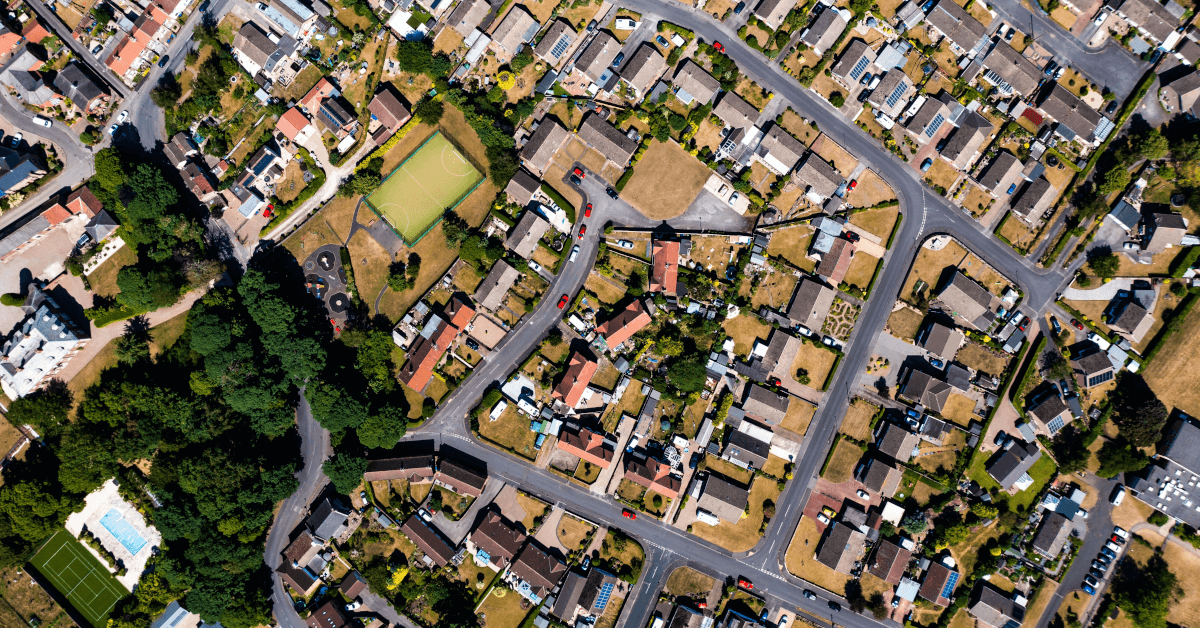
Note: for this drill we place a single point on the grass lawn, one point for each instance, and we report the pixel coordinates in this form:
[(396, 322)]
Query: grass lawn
[(791, 244), (799, 415), (752, 93), (959, 409), (728, 469), (477, 578), (534, 508), (24, 600), (816, 361), (976, 200), (800, 130), (90, 373), (862, 270), (802, 561), (967, 552), (611, 613), (655, 503), (586, 472), (941, 174), (1041, 472), (841, 158), (929, 265), (1016, 231), (857, 423), (775, 291), (741, 536), (1130, 513), (981, 358), (744, 330), (510, 431), (503, 608), (604, 289), (572, 532), (1178, 356), (688, 582), (905, 323), (630, 491), (665, 181), (877, 222), (104, 278), (468, 279), (842, 463), (338, 214)]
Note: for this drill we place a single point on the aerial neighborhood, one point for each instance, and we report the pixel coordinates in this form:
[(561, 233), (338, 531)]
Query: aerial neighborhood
[(590, 314)]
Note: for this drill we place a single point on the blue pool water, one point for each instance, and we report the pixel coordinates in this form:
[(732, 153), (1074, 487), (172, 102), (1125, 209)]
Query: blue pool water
[(115, 523)]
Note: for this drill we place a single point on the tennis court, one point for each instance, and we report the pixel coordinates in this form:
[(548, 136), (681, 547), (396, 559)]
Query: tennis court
[(79, 577), (413, 198)]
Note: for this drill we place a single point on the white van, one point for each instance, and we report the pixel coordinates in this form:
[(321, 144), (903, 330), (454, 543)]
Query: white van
[(1118, 495)]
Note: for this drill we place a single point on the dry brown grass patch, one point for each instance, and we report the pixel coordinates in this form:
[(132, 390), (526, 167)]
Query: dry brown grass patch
[(792, 123), (604, 289), (905, 323), (743, 535), (744, 330), (665, 181), (862, 269), (775, 291), (511, 431), (941, 173), (832, 152), (802, 561), (816, 361), (877, 222), (857, 422), (841, 465), (977, 200), (686, 582), (929, 265), (791, 243), (799, 415), (1178, 356), (981, 359), (959, 409), (572, 532), (871, 191)]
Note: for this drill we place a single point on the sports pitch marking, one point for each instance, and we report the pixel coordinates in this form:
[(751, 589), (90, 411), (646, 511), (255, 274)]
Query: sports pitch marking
[(434, 178), (79, 577)]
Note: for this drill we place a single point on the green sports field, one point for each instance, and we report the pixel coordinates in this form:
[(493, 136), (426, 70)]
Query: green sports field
[(436, 177), (79, 577)]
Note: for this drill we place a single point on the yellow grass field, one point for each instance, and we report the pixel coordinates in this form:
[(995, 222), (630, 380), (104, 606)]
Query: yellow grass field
[(744, 330), (841, 465), (802, 561), (791, 243), (665, 181), (877, 222), (816, 361), (1178, 356), (857, 422)]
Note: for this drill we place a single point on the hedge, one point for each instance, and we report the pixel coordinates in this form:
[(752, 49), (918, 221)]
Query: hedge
[(1131, 103), (621, 183), (102, 316), (996, 408), (895, 230), (1182, 263), (1170, 328), (1026, 370), (832, 448), (560, 201), (283, 210)]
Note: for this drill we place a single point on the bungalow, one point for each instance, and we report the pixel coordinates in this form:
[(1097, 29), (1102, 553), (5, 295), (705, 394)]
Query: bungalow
[(956, 25), (387, 108), (1093, 369), (653, 475), (521, 189), (890, 96), (1006, 66), (779, 151), (588, 445), (811, 304), (995, 608), (842, 547), (941, 341), (694, 84), (492, 290), (468, 15), (735, 112), (428, 540), (1163, 231), (539, 150), (555, 42), (643, 69), (328, 615), (624, 324), (665, 267), (516, 29), (818, 177), (825, 30), (1052, 535), (836, 263), (596, 61), (968, 301), (773, 11), (607, 139), (880, 476), (746, 450), (541, 571), (523, 238), (895, 441), (495, 541), (1011, 467), (1002, 174), (414, 469), (939, 583), (962, 147), (724, 499), (1034, 200)]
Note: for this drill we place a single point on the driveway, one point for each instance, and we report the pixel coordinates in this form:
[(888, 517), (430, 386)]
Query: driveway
[(1104, 293)]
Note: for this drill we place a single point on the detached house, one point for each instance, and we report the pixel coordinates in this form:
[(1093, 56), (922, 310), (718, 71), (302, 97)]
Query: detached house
[(969, 302), (556, 42), (588, 445), (825, 30), (818, 177), (694, 84), (541, 571), (516, 29), (610, 141), (811, 304), (624, 325), (956, 25), (575, 380), (643, 69), (653, 475), (388, 109), (539, 150), (495, 541), (664, 273), (460, 477), (842, 546), (76, 82), (724, 499), (779, 151), (1034, 200)]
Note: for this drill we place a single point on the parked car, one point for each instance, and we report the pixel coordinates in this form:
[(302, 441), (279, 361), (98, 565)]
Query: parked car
[(633, 443), (862, 494), (42, 121), (591, 26), (936, 363), (926, 164), (804, 331), (576, 180), (1100, 17), (1112, 106), (739, 8), (1112, 546), (1055, 325), (1089, 589), (834, 606), (574, 253), (618, 59), (587, 211), (809, 595), (1102, 567), (112, 130), (582, 230), (625, 244), (424, 514), (353, 606), (15, 139), (1009, 36), (581, 174), (745, 584), (1119, 531), (1092, 581), (628, 514), (535, 267), (611, 193), (733, 198), (1104, 559), (163, 61), (866, 79), (853, 184), (121, 117), (203, 6), (821, 517), (1076, 324), (1116, 539), (1129, 246), (562, 302), (1118, 495), (852, 236), (662, 41), (718, 47)]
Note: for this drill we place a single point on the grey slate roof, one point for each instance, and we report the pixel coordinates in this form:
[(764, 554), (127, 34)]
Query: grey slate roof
[(541, 146), (927, 390), (1050, 537), (773, 11), (747, 449), (598, 56), (780, 145), (697, 82), (491, 292), (1068, 110), (522, 187), (77, 84), (518, 27), (842, 546), (1004, 170), (942, 341), (608, 139), (956, 24), (897, 442), (968, 300), (467, 16), (1013, 67), (734, 111), (993, 607), (643, 68), (558, 39), (973, 130), (825, 30), (814, 171), (1014, 462), (1034, 199), (327, 519), (855, 51), (524, 237), (765, 404), (812, 300), (724, 498)]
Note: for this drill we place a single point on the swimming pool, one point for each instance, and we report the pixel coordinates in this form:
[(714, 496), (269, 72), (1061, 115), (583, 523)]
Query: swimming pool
[(115, 523)]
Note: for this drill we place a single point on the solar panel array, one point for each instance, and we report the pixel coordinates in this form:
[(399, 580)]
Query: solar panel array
[(896, 94), (934, 125), (859, 68), (602, 597), (950, 582), (1054, 425), (1096, 380), (559, 48)]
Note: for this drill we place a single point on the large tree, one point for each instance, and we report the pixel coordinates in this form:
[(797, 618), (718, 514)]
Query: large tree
[(1146, 592), (1138, 413)]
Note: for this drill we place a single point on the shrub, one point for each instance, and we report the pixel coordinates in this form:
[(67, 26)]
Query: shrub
[(837, 99), (12, 298), (1157, 518)]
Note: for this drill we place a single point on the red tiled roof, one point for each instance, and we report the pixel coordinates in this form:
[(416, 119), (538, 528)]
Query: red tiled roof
[(126, 53), (320, 91), (579, 374), (426, 352), (1033, 116), (460, 313), (653, 475), (666, 267), (587, 445), (8, 40), (56, 214), (83, 201), (35, 32), (624, 325), (291, 123)]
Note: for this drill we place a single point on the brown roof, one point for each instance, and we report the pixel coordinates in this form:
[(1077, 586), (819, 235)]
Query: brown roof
[(942, 341), (328, 615), (842, 546), (734, 111), (389, 108), (428, 540), (538, 568), (765, 404), (968, 300), (664, 275), (499, 538), (645, 67), (653, 475), (608, 139), (773, 11), (811, 303), (299, 550), (889, 562), (897, 442), (575, 380), (935, 580), (1013, 67), (460, 477), (836, 262), (352, 585), (1034, 200), (926, 389), (818, 173), (624, 325), (542, 145), (415, 468), (587, 445)]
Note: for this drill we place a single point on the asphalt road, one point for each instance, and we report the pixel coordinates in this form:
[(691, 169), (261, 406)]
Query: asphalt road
[(83, 54)]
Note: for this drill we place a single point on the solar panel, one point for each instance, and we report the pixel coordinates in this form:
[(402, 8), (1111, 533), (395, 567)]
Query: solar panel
[(561, 46), (1055, 425), (1099, 379), (602, 597), (950, 582), (859, 68), (934, 125), (896, 94)]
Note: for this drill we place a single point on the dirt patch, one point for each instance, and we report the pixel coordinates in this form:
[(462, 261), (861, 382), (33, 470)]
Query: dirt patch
[(665, 181), (857, 423)]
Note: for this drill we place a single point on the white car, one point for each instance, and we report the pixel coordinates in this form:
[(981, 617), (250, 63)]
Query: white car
[(863, 494), (1101, 17), (353, 606), (121, 117), (1129, 246), (625, 244), (112, 129), (574, 253), (535, 267), (1113, 546), (15, 139), (822, 518), (804, 331), (424, 514), (783, 621), (1119, 531), (733, 198), (42, 121)]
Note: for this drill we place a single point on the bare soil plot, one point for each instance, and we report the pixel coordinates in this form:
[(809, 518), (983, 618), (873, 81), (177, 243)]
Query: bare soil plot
[(929, 265), (841, 465), (799, 415), (857, 422), (905, 323), (744, 330), (791, 243), (816, 361), (862, 269), (983, 359), (665, 181), (688, 582), (805, 132), (510, 431), (1178, 356), (775, 291), (871, 191), (877, 222), (832, 152), (741, 536), (802, 560)]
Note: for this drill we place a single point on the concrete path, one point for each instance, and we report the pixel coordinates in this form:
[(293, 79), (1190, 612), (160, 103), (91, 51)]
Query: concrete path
[(1104, 293), (456, 531)]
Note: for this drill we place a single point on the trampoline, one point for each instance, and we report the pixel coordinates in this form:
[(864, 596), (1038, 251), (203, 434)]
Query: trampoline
[(115, 523)]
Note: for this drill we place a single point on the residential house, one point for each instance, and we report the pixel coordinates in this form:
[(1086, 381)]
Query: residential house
[(555, 42), (834, 264), (1180, 95), (1075, 118), (624, 324), (516, 29), (941, 341), (685, 616), (1034, 200), (539, 150), (296, 126), (664, 273), (428, 540), (414, 469), (779, 151), (765, 404), (21, 76), (1093, 369), (890, 560), (496, 541), (610, 141), (8, 39), (773, 11), (724, 499), (461, 477), (588, 445), (994, 607), (1051, 536), (492, 290), (387, 107), (880, 476), (198, 182), (1011, 467), (853, 64), (746, 450), (597, 592), (433, 342), (931, 117), (939, 583), (467, 16), (327, 615), (353, 585), (523, 239), (1188, 50), (818, 177), (896, 442), (126, 59), (302, 564), (891, 95), (962, 147), (179, 148), (693, 84), (338, 116), (328, 520), (34, 31), (323, 89), (40, 347), (1051, 414), (643, 69), (956, 25), (1006, 66), (1129, 318), (1002, 175), (1169, 482), (575, 380), (1163, 231), (541, 571), (735, 112), (811, 302), (842, 546), (521, 189), (968, 301), (18, 170), (76, 83), (255, 50), (291, 16), (825, 30), (652, 474), (596, 60), (1151, 18)]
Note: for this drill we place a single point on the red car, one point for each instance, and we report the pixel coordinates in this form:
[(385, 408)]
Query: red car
[(562, 302), (702, 605), (587, 211), (745, 584), (581, 174), (854, 184), (1076, 324), (718, 47), (628, 514), (582, 230)]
